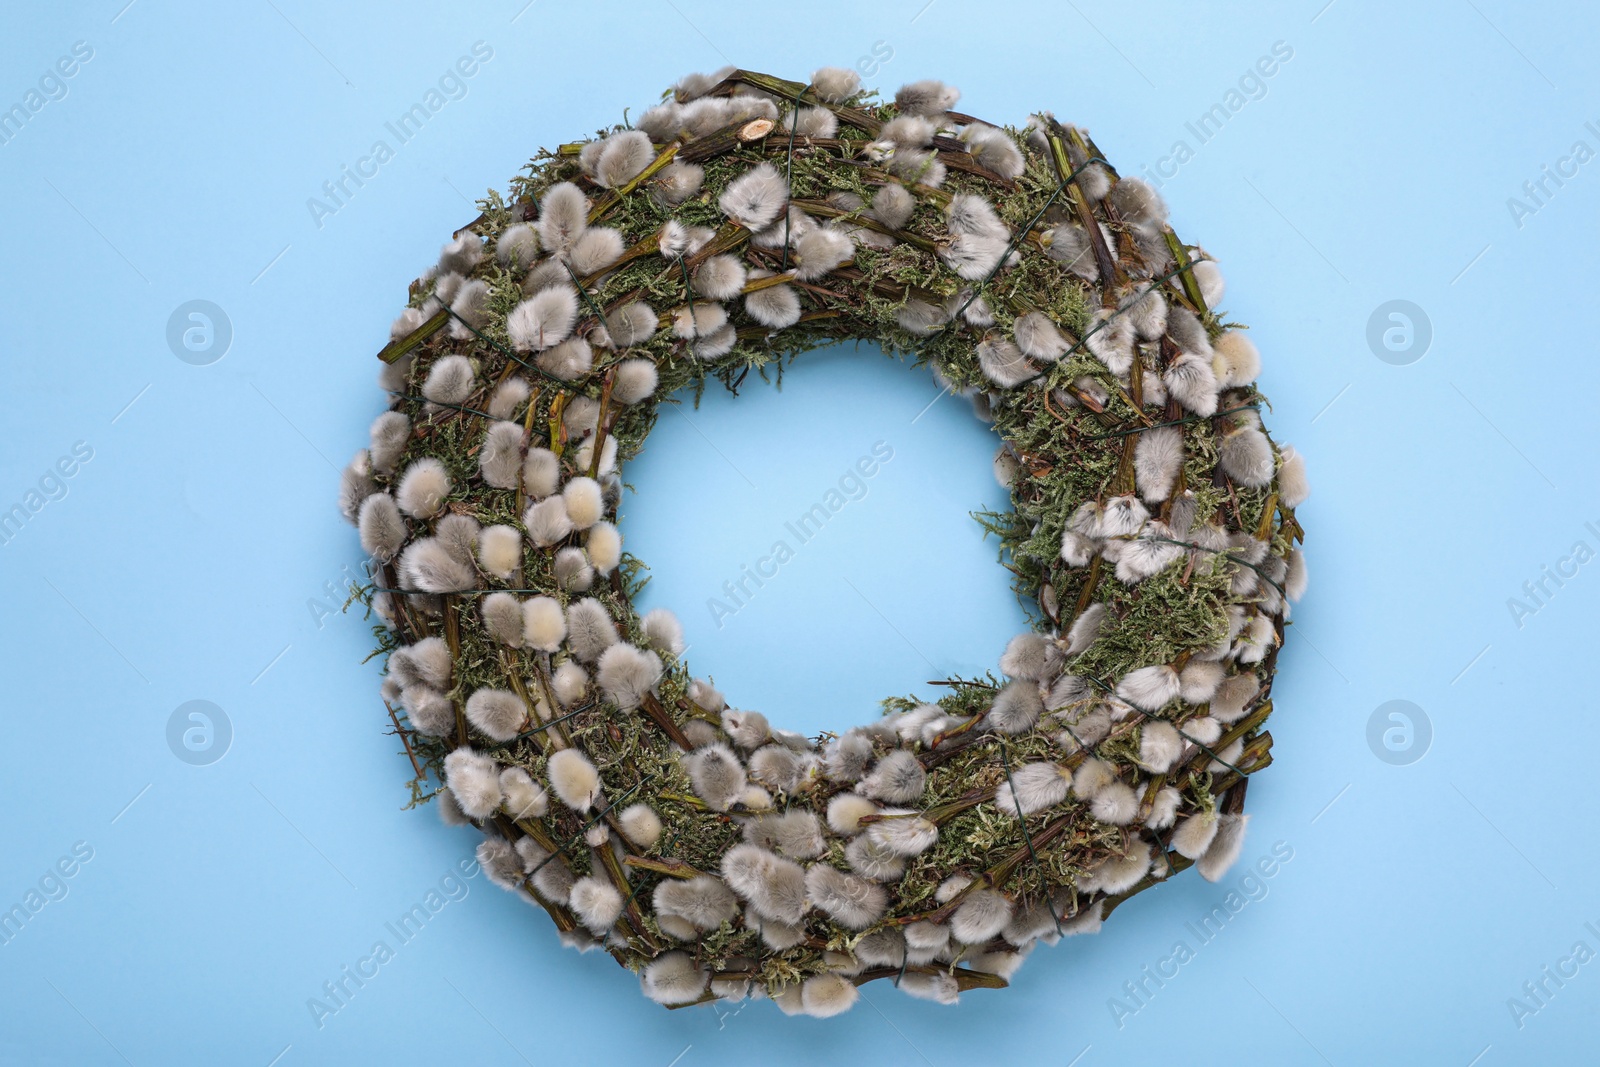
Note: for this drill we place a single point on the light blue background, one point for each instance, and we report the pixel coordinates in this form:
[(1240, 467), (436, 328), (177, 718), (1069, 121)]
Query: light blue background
[(189, 554)]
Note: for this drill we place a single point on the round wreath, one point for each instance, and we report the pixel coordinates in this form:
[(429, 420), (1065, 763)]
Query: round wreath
[(748, 218)]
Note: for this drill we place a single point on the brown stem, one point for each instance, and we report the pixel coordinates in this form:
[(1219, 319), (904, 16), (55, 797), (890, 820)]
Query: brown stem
[(1110, 273), (663, 718), (558, 433), (1186, 281), (1124, 479), (619, 880), (1233, 804), (452, 637), (729, 237), (965, 979), (404, 740), (400, 346), (643, 248), (956, 158), (557, 733), (527, 439), (670, 867), (558, 915), (611, 200), (943, 813), (747, 333), (885, 287), (521, 691), (799, 92), (540, 836), (602, 425), (1147, 803), (1242, 727), (1264, 527), (727, 139), (757, 284), (1090, 583), (402, 607), (563, 920), (1135, 394), (958, 731), (992, 878), (855, 218)]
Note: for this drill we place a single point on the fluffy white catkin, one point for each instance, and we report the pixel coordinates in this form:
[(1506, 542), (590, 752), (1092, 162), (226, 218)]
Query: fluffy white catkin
[(825, 995), (673, 978), (496, 713), (574, 779), (547, 521), (463, 252), (662, 630), (604, 545), (544, 626), (634, 380), (500, 550), (596, 903), (570, 682), (584, 501), (590, 630), (474, 781), (835, 84), (383, 529), (521, 796), (390, 434), (563, 217), (449, 381), (717, 775), (502, 617), (756, 197), (423, 488), (640, 825), (500, 458), (627, 674), (543, 320), (428, 565), (1225, 847)]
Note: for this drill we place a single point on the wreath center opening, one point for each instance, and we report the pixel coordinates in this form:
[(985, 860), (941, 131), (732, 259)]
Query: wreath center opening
[(820, 529)]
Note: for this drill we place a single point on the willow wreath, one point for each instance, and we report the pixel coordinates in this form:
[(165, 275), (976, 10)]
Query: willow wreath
[(743, 220)]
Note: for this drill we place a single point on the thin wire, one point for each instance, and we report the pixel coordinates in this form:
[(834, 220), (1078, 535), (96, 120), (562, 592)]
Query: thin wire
[(458, 592), (506, 351), (1100, 326), (1214, 551), (1162, 845), (1005, 762), (442, 404), (1124, 310), (1073, 733), (554, 722), (1016, 242), (788, 170), (607, 810), (688, 290), (1213, 755), (587, 299), (631, 896), (1174, 422)]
